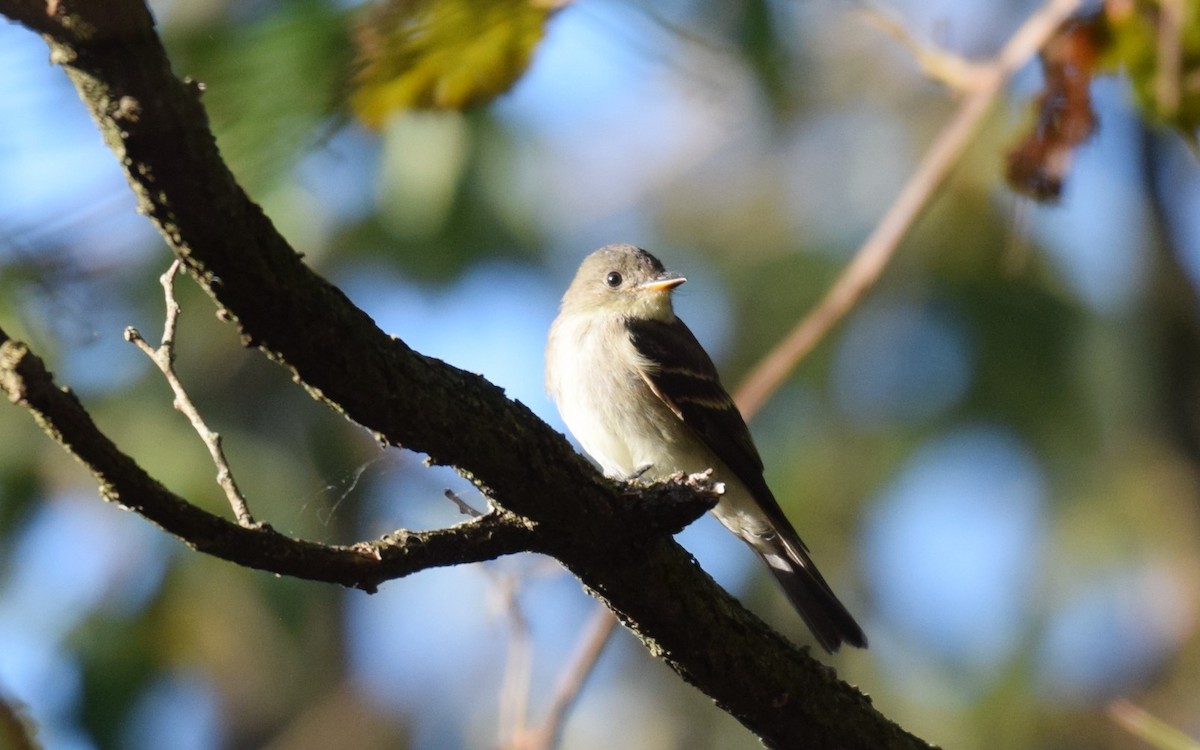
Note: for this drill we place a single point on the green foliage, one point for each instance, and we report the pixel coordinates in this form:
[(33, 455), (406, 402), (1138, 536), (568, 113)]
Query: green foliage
[(766, 51), (118, 658), (442, 54), (271, 86), (1143, 31)]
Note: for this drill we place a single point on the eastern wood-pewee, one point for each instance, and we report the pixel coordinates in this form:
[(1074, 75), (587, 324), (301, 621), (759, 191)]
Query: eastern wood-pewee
[(644, 400)]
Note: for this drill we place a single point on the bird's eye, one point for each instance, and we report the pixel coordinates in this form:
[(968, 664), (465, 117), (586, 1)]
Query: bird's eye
[(613, 279)]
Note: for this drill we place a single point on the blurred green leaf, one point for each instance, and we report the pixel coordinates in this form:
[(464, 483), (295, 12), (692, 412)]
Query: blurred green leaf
[(442, 54), (117, 656), (1167, 89), (269, 86)]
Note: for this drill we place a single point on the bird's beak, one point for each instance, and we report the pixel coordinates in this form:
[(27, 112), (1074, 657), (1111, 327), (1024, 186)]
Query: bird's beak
[(662, 283)]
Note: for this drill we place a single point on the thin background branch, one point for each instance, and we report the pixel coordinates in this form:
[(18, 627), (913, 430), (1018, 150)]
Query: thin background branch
[(1170, 56), (518, 668), (1148, 728), (876, 252)]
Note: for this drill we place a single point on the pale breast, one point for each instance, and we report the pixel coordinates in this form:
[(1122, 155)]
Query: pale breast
[(623, 425), (604, 401)]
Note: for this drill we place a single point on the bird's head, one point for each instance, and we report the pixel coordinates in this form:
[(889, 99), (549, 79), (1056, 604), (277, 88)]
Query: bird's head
[(625, 281)]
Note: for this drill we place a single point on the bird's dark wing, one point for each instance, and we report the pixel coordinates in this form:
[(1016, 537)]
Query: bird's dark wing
[(684, 377)]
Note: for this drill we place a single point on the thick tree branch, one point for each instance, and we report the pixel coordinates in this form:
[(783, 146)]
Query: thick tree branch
[(664, 509), (156, 127), (621, 562)]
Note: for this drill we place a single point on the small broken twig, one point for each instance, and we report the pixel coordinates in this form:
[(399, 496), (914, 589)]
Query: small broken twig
[(164, 358), (463, 506)]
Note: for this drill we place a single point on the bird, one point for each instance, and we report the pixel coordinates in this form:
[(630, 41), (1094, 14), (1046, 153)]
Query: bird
[(644, 400)]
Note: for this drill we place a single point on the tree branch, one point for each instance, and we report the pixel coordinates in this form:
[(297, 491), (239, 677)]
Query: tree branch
[(876, 252), (664, 509), (596, 635), (164, 359), (155, 125), (25, 380)]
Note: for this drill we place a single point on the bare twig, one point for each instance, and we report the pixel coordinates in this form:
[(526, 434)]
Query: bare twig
[(518, 668), (1170, 56), (599, 630), (463, 506), (943, 66), (25, 381), (545, 736), (164, 358), (1151, 730), (868, 264)]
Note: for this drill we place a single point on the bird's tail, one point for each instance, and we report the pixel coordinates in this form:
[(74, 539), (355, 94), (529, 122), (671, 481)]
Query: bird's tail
[(825, 616)]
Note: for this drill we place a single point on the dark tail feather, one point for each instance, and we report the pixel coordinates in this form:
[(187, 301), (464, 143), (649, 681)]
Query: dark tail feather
[(810, 594)]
